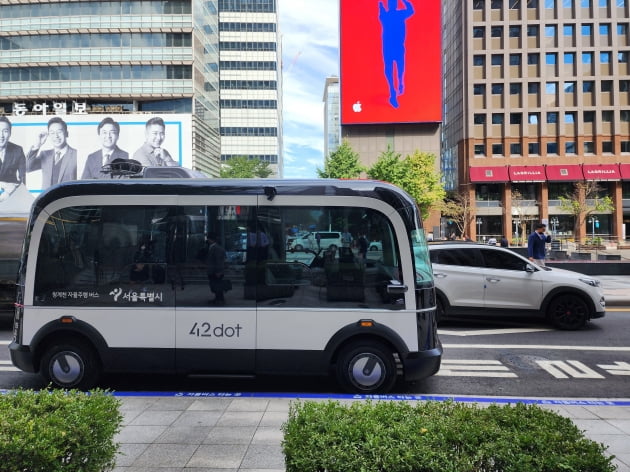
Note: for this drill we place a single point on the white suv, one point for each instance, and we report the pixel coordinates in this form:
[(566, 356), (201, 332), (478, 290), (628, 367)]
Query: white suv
[(475, 279), (325, 240)]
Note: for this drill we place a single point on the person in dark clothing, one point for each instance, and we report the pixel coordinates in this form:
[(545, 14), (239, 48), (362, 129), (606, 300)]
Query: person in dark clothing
[(504, 242), (216, 269), (536, 245)]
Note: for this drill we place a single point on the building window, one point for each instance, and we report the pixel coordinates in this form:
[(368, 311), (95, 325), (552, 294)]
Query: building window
[(478, 4), (589, 117), (533, 149), (496, 4), (515, 32), (532, 3), (551, 58), (552, 117), (515, 4), (497, 149), (604, 29), (479, 118), (587, 58), (516, 118), (497, 118), (497, 59), (607, 147), (569, 147), (515, 149), (569, 117), (585, 3), (496, 31), (550, 31), (550, 4), (622, 29), (607, 86), (515, 89), (479, 32), (604, 57), (533, 87), (589, 147), (515, 59), (552, 147), (567, 3), (480, 150), (551, 88), (588, 86), (625, 146), (569, 58), (624, 115), (607, 116), (497, 89), (569, 87), (479, 60), (479, 89), (532, 58), (568, 30), (624, 85), (587, 29), (532, 30), (603, 3), (533, 118), (622, 57)]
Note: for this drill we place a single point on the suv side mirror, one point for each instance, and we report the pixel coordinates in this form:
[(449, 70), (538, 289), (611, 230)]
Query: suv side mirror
[(530, 268)]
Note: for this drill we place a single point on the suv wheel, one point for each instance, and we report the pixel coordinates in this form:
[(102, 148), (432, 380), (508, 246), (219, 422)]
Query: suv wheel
[(568, 312)]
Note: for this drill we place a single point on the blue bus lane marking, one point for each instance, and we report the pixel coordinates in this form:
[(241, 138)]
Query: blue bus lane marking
[(390, 397)]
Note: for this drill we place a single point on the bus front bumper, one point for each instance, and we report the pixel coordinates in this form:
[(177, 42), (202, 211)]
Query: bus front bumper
[(22, 357), (420, 365)]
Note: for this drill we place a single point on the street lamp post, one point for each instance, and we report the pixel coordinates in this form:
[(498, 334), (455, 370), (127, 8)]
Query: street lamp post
[(479, 221), (554, 225), (594, 220)]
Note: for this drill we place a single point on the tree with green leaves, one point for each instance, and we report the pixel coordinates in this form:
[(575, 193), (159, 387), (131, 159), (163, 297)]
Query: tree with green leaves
[(343, 163), (241, 167), (459, 207), (415, 174), (584, 201)]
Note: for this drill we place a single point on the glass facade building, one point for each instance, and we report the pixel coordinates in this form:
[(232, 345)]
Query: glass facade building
[(251, 81), (332, 125), (536, 98)]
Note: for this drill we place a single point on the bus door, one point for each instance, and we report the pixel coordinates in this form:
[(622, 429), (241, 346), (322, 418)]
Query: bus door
[(215, 304)]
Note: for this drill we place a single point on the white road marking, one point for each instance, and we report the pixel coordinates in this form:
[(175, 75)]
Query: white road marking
[(492, 332), (564, 370), (545, 347), (473, 368), (5, 343), (618, 368), (7, 366)]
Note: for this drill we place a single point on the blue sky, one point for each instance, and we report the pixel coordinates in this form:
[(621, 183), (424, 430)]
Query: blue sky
[(310, 53)]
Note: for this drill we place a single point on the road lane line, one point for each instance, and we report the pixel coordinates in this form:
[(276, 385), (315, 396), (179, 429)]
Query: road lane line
[(5, 343), (545, 347), (491, 332)]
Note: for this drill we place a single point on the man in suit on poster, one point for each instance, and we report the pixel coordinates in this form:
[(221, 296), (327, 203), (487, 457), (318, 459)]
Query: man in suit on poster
[(108, 131), (151, 153), (12, 161), (58, 164)]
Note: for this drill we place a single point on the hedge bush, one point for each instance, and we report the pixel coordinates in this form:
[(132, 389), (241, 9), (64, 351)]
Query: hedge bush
[(50, 431), (435, 437)]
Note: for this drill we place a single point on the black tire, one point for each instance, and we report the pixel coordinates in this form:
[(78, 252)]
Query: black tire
[(298, 247), (373, 248), (366, 367), (568, 312), (70, 364)]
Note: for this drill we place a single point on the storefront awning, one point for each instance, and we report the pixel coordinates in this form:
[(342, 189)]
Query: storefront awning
[(489, 174), (601, 171), (527, 174), (625, 171), (567, 172)]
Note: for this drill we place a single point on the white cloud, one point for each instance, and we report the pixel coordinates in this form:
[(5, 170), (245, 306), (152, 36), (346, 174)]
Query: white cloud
[(310, 41)]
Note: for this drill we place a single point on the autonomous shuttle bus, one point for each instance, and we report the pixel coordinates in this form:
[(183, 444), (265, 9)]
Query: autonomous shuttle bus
[(123, 276)]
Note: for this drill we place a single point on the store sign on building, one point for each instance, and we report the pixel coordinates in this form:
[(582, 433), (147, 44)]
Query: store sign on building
[(45, 108)]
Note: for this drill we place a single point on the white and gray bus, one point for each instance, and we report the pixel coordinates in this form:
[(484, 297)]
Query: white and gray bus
[(114, 277)]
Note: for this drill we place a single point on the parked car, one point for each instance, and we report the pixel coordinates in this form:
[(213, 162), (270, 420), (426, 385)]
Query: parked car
[(476, 279), (375, 246), (327, 239)]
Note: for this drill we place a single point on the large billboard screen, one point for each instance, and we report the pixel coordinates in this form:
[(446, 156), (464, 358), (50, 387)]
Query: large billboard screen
[(390, 61), (41, 151)]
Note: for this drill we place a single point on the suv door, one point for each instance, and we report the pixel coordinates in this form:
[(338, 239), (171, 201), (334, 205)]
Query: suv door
[(508, 283), (459, 275)]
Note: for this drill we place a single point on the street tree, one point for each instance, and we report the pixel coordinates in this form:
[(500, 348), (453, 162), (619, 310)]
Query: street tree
[(459, 207), (343, 163), (415, 174), (585, 200), (241, 167)]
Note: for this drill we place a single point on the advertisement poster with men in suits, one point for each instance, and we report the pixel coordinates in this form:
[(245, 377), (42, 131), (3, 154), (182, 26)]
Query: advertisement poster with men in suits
[(38, 151)]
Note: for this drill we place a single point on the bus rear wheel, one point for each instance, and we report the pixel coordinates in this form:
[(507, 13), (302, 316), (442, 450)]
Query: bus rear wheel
[(366, 368), (70, 365)]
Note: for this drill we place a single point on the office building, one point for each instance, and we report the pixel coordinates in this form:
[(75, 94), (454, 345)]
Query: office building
[(536, 98), (332, 127), (250, 81)]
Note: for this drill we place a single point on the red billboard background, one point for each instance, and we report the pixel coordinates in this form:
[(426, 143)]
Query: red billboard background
[(365, 91)]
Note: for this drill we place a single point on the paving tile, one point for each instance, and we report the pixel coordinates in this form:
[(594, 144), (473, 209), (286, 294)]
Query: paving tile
[(128, 453), (139, 434), (230, 435), (610, 412), (218, 456), (135, 403), (129, 416), (240, 418), (262, 456), (156, 417), (198, 418), (274, 418), (597, 427), (171, 403), (249, 404), (279, 404), (266, 435), (210, 404), (166, 455), (183, 435), (622, 425)]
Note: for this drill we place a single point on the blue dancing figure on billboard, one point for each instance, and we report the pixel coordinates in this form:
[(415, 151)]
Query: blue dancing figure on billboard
[(394, 34)]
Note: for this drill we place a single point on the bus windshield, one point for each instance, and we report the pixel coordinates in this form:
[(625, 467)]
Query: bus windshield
[(424, 272)]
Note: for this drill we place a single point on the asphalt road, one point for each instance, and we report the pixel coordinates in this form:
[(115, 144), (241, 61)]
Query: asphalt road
[(480, 358)]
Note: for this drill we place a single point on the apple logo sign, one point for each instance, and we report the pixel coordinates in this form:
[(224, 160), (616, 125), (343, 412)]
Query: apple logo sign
[(356, 107)]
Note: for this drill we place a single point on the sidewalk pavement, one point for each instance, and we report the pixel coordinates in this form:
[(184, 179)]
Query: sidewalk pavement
[(195, 433), (200, 434)]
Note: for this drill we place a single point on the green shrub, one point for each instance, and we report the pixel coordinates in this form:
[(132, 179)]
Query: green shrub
[(58, 430), (435, 437)]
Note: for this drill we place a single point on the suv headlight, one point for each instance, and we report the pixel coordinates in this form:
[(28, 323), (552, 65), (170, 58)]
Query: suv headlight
[(589, 281)]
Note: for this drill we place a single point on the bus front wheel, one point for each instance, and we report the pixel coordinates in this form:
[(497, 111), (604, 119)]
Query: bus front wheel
[(366, 367), (70, 365)]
